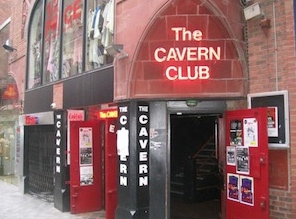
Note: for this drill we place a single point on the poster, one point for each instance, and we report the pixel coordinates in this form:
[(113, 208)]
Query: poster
[(236, 132), (86, 155), (251, 132), (233, 187), (86, 175), (123, 142), (85, 137), (242, 160), (230, 155), (247, 190), (272, 121)]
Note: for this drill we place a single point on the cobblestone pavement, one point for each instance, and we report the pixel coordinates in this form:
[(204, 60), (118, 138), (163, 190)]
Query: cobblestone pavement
[(15, 205)]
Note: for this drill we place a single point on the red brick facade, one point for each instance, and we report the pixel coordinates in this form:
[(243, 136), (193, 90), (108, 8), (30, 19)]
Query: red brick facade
[(271, 68), (17, 59)]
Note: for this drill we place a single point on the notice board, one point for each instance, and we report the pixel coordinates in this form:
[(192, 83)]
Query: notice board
[(278, 116)]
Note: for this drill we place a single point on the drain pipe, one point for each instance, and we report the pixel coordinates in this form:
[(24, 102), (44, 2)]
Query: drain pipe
[(275, 47)]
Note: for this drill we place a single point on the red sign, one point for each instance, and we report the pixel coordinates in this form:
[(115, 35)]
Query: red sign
[(10, 92), (31, 120), (190, 54), (108, 114)]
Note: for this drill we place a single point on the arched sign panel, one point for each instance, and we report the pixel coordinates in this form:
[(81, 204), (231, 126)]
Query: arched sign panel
[(188, 52)]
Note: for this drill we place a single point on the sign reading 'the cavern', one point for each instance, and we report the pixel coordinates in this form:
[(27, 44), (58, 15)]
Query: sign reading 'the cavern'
[(190, 54)]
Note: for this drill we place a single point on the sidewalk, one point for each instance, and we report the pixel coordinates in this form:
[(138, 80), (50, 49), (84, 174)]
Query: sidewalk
[(15, 205)]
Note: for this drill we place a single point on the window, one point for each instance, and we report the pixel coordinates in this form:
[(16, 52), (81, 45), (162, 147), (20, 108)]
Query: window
[(35, 46), (71, 40), (51, 42), (99, 33)]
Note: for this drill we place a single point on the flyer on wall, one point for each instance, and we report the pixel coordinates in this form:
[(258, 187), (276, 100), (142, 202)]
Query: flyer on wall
[(233, 187), (272, 121), (236, 132), (230, 155), (85, 137), (86, 175), (247, 190), (86, 156), (242, 160), (251, 132)]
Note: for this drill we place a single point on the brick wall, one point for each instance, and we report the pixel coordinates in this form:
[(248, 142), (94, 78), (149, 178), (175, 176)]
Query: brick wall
[(272, 68), (18, 41), (5, 10)]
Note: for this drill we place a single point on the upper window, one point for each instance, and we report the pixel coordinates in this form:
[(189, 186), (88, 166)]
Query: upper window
[(35, 48), (67, 38)]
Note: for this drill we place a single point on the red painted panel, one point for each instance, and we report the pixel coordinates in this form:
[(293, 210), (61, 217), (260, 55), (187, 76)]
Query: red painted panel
[(85, 167), (247, 168)]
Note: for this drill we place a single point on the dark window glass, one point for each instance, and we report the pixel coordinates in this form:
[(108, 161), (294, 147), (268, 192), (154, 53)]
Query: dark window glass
[(51, 42), (35, 46)]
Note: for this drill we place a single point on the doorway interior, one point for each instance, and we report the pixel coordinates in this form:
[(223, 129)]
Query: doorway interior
[(194, 173)]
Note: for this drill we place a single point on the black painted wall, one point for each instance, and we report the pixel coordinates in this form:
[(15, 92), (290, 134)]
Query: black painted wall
[(82, 90)]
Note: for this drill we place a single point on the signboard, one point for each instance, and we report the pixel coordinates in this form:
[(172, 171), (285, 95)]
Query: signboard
[(277, 116), (188, 59)]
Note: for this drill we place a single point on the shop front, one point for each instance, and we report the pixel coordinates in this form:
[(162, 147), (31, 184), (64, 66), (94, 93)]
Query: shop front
[(178, 99)]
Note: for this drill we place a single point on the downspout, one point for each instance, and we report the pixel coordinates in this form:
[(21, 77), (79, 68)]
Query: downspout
[(275, 47)]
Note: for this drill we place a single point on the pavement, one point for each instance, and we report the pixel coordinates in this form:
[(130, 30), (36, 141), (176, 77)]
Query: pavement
[(15, 205)]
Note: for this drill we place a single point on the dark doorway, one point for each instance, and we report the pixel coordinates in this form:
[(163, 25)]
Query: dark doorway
[(194, 172), (39, 161)]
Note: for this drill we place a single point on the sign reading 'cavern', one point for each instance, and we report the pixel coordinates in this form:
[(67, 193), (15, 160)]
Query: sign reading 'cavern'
[(190, 54)]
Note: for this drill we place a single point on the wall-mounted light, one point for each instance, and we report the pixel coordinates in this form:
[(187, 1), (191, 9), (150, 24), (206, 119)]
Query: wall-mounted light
[(253, 11), (116, 49), (9, 48)]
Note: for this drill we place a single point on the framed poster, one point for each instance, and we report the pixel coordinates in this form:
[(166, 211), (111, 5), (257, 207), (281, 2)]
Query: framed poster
[(246, 190), (278, 116), (230, 155), (242, 160), (272, 121), (236, 132), (251, 132), (233, 187)]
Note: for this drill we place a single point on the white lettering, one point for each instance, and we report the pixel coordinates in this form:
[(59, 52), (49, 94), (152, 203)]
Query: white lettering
[(143, 143), (188, 54), (123, 120), (123, 168), (156, 55), (143, 181), (58, 124), (123, 181), (123, 109), (143, 156), (143, 132), (143, 168), (143, 119), (187, 73), (58, 134), (182, 34)]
